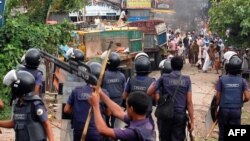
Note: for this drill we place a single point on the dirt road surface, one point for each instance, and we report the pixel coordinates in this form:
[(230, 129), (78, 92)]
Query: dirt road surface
[(203, 91)]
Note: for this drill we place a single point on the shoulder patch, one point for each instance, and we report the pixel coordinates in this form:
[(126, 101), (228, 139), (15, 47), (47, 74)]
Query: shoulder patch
[(39, 112)]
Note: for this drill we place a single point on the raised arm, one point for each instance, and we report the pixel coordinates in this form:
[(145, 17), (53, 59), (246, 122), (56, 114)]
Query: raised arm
[(116, 110), (99, 122)]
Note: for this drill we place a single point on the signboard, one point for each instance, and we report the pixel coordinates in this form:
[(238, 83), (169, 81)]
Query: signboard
[(165, 4), (102, 9), (138, 3), (98, 9), (2, 8), (160, 28)]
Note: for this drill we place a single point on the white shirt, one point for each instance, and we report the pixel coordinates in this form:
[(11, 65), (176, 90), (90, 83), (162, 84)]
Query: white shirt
[(122, 15)]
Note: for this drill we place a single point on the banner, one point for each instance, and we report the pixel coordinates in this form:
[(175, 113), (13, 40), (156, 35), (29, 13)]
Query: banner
[(138, 3), (2, 7), (164, 4)]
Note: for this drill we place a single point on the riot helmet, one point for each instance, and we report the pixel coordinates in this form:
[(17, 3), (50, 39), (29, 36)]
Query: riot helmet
[(77, 55), (227, 56), (141, 54), (32, 58), (95, 68), (142, 64), (165, 66), (233, 66), (114, 61), (21, 82)]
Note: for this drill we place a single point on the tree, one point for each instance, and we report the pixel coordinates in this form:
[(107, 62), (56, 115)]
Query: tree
[(23, 30), (37, 10), (231, 15)]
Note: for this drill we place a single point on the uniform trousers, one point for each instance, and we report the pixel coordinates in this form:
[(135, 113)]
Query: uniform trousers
[(228, 116)]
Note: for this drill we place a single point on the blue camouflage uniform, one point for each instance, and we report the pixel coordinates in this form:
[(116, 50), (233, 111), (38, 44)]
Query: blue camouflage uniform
[(231, 89), (79, 101), (174, 129)]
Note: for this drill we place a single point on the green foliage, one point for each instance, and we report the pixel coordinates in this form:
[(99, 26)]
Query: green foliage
[(19, 34), (68, 5), (234, 15)]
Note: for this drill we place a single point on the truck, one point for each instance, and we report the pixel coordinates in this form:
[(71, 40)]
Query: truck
[(154, 39), (127, 42)]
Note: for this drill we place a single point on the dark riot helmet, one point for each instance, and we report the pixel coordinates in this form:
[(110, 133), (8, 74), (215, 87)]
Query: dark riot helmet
[(77, 55), (95, 68), (114, 61), (32, 58), (24, 84), (142, 64), (165, 66), (233, 66)]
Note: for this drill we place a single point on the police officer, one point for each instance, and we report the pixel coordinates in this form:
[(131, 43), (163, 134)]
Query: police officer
[(140, 128), (141, 81), (69, 83), (165, 68), (174, 129), (114, 82), (232, 92), (30, 118), (32, 60), (78, 105)]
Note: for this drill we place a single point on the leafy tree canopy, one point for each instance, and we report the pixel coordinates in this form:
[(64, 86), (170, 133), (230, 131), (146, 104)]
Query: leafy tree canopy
[(231, 15)]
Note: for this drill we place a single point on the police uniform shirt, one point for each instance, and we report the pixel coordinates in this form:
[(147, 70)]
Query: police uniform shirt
[(41, 111), (39, 78), (78, 99), (114, 82), (172, 81), (128, 134), (219, 85), (128, 85)]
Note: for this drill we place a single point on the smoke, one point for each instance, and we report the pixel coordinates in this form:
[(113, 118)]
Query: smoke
[(190, 14)]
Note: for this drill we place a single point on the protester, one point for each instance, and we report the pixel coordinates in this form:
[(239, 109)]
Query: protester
[(139, 127), (245, 63), (174, 129), (194, 51), (30, 117)]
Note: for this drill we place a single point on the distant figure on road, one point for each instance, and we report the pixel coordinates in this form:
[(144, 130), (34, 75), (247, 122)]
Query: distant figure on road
[(245, 63)]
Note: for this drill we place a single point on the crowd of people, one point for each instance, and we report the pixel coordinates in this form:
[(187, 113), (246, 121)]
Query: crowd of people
[(204, 51)]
